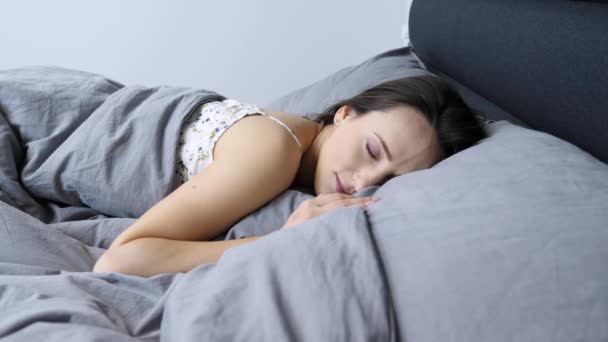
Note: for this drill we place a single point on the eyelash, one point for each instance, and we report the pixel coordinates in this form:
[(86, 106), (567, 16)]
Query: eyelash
[(369, 151)]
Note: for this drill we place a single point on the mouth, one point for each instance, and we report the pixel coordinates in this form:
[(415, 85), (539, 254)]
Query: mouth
[(339, 186)]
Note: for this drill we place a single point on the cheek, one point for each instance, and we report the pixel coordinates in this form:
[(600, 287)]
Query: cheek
[(344, 149)]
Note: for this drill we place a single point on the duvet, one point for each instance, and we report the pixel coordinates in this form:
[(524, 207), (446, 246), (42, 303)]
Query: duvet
[(81, 157)]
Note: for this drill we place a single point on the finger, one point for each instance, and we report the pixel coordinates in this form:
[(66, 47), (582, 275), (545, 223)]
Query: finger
[(324, 199), (346, 203), (357, 200)]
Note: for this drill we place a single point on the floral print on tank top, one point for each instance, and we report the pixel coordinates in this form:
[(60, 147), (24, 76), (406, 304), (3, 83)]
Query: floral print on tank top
[(202, 130)]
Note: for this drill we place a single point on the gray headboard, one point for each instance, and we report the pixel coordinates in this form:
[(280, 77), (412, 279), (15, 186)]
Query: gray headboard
[(542, 64)]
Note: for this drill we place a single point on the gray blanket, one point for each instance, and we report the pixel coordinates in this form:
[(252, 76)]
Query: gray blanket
[(81, 158)]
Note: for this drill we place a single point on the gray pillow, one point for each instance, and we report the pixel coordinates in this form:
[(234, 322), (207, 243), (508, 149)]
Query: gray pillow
[(504, 241), (350, 81)]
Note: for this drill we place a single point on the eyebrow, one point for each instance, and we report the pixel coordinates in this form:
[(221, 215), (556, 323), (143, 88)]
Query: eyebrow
[(388, 154)]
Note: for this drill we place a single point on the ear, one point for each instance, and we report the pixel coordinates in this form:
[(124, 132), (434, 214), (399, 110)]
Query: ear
[(343, 112)]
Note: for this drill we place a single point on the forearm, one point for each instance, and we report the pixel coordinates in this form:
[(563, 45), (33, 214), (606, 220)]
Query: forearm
[(147, 257)]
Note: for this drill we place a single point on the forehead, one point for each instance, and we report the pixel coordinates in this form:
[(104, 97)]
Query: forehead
[(408, 135), (398, 118)]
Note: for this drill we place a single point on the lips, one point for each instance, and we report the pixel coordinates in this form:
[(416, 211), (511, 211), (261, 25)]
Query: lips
[(339, 186)]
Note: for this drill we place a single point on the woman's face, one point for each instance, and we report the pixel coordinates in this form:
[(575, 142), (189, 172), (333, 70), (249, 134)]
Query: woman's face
[(352, 148)]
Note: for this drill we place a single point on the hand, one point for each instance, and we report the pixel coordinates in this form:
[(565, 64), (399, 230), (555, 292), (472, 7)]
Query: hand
[(324, 203)]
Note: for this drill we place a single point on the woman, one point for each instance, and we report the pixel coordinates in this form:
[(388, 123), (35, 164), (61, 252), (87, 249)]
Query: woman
[(228, 172)]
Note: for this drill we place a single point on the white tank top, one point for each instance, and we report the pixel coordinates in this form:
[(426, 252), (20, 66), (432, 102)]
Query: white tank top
[(203, 129)]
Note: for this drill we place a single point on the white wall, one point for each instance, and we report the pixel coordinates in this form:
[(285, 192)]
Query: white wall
[(253, 51)]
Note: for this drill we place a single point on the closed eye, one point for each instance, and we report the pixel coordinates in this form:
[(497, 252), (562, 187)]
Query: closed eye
[(370, 151)]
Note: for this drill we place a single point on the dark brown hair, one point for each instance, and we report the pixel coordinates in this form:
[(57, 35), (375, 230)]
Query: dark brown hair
[(458, 126)]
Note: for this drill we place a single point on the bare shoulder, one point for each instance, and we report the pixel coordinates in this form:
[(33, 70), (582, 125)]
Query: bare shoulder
[(255, 160), (260, 136)]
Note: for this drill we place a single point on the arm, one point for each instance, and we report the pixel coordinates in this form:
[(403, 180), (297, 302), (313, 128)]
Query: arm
[(149, 256), (173, 235)]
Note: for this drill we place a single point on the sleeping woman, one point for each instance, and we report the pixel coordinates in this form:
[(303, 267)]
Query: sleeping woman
[(234, 158)]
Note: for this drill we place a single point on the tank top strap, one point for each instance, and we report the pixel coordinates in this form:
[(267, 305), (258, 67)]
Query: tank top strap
[(284, 125)]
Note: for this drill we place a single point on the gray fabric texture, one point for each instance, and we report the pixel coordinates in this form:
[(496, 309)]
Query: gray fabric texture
[(350, 81), (82, 157), (542, 61), (81, 140), (505, 241)]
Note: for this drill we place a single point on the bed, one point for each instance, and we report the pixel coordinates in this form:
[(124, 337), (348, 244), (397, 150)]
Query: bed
[(504, 241)]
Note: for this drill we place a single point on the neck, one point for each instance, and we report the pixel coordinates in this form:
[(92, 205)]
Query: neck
[(305, 177)]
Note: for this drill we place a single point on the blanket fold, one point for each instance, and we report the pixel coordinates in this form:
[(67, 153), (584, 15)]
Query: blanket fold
[(87, 141)]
